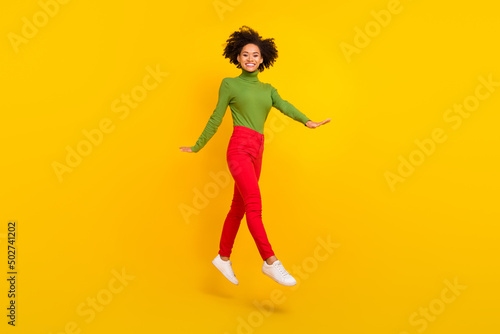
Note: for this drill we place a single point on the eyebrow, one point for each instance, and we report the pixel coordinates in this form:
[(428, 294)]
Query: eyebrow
[(253, 52)]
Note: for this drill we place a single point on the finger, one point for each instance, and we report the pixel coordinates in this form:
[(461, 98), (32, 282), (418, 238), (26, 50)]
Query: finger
[(324, 122)]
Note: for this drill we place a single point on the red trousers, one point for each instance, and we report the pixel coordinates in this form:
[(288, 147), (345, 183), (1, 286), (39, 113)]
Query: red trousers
[(244, 158)]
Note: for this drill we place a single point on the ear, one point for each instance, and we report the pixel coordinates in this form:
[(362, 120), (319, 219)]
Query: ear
[(238, 58), (261, 60)]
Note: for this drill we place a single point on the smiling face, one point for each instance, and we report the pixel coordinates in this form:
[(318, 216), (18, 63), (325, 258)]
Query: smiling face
[(250, 57)]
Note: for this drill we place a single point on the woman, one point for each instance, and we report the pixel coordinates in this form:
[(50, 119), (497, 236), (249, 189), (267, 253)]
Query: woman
[(250, 101)]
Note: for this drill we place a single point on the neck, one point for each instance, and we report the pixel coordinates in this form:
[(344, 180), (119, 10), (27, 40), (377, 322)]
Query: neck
[(249, 76)]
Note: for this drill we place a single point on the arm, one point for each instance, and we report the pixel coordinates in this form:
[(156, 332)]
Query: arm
[(214, 121), (288, 109)]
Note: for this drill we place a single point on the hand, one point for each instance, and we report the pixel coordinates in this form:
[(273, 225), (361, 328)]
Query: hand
[(313, 125), (186, 149)]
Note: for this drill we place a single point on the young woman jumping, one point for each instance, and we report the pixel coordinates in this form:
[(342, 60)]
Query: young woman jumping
[(250, 101)]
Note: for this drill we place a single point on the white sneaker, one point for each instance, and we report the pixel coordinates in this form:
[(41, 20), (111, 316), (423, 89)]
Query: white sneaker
[(278, 273), (226, 269)]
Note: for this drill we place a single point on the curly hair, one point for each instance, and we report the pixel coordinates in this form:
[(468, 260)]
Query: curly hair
[(246, 35)]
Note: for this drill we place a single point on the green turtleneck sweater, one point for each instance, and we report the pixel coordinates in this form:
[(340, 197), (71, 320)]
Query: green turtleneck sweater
[(250, 101)]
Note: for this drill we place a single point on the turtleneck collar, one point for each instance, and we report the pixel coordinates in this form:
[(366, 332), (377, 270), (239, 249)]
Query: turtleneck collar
[(250, 76)]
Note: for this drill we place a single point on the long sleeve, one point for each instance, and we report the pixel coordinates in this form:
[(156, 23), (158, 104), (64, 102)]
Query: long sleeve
[(287, 108), (216, 118)]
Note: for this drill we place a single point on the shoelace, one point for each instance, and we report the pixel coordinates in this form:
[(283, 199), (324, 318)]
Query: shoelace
[(282, 270), (229, 269)]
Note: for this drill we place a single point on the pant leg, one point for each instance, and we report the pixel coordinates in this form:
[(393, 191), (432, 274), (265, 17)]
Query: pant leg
[(254, 211), (232, 223)]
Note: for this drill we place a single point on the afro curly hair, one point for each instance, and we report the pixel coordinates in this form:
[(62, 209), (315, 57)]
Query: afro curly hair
[(246, 35)]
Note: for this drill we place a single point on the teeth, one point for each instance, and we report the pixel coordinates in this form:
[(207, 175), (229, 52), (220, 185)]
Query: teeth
[(250, 64)]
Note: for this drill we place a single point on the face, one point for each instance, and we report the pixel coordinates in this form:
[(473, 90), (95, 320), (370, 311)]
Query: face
[(250, 58)]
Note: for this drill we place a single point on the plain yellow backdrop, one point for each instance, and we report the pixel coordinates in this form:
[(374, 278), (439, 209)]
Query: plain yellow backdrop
[(388, 216)]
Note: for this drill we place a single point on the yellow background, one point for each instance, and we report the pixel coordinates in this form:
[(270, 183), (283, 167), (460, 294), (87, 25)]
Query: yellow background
[(119, 209)]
